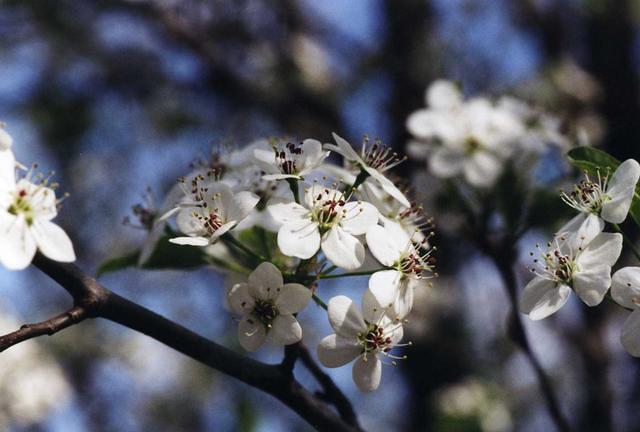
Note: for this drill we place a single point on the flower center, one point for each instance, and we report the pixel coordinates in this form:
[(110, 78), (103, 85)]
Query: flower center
[(471, 145), (266, 311), (287, 157), (587, 196), (375, 340), (561, 265), (21, 205), (328, 209), (379, 156)]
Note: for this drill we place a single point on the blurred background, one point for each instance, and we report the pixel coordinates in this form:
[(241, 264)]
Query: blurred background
[(118, 96)]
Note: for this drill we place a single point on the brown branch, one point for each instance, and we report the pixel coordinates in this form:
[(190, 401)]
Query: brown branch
[(97, 301), (49, 327), (331, 392)]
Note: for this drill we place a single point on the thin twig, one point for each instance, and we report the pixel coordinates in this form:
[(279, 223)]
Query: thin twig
[(49, 327)]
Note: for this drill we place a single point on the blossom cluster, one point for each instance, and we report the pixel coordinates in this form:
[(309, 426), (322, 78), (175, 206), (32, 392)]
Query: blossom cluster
[(473, 139), (324, 221), (581, 256), (27, 206)]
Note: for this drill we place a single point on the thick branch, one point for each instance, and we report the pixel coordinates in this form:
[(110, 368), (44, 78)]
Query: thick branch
[(48, 327), (272, 379)]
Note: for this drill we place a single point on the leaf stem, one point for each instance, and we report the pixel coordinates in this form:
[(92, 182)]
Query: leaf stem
[(293, 185), (358, 273), (319, 301), (238, 244)]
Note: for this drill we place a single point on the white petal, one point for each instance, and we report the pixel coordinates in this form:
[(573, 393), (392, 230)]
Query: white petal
[(621, 189), (584, 227), (266, 160), (335, 351), (285, 330), (293, 298), (240, 300), (299, 238), (429, 124), (542, 298), (265, 282), (604, 249), (5, 140), (18, 245), (188, 221), (372, 310), (287, 212), (384, 286), (344, 317), (392, 190), (367, 373), (592, 284), (359, 217), (251, 334), (342, 249), (190, 241), (404, 302), (482, 169), (387, 243), (52, 241), (630, 335), (312, 155), (446, 162), (625, 287), (7, 168), (343, 147), (443, 95), (274, 177), (242, 204)]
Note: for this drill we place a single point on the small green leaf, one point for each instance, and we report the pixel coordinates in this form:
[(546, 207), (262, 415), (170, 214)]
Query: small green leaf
[(165, 256)]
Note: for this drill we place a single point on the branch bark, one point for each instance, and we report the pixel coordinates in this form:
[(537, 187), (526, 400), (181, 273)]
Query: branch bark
[(92, 300)]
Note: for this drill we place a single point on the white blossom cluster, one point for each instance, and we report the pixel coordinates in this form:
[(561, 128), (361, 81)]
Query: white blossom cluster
[(581, 255), (27, 205), (473, 139), (324, 220)]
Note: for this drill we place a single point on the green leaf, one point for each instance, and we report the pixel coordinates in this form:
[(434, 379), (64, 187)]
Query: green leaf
[(165, 256), (595, 161)]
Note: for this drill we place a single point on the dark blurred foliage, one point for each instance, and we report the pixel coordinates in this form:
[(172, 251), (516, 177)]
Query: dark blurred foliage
[(122, 94)]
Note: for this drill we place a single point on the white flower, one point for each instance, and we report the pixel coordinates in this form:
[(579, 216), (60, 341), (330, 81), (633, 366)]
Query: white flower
[(581, 262), (364, 337), (374, 159), (471, 138), (266, 306), (5, 139), (325, 221), (625, 290), (290, 160), (393, 248), (26, 211), (213, 210), (608, 199)]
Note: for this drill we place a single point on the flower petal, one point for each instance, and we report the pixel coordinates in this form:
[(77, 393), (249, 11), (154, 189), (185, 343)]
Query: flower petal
[(384, 286), (446, 162), (343, 148), (592, 284), (343, 249), (299, 238), (542, 297), (372, 310), (190, 241), (583, 227), (5, 139), (265, 282), (359, 217), (7, 169), (285, 330), (443, 95), (335, 351), (241, 205), (482, 169), (52, 241), (604, 249), (344, 317), (630, 335), (251, 334), (240, 300), (387, 243), (18, 244), (312, 155), (367, 373), (293, 298), (287, 212), (625, 287), (620, 191)]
